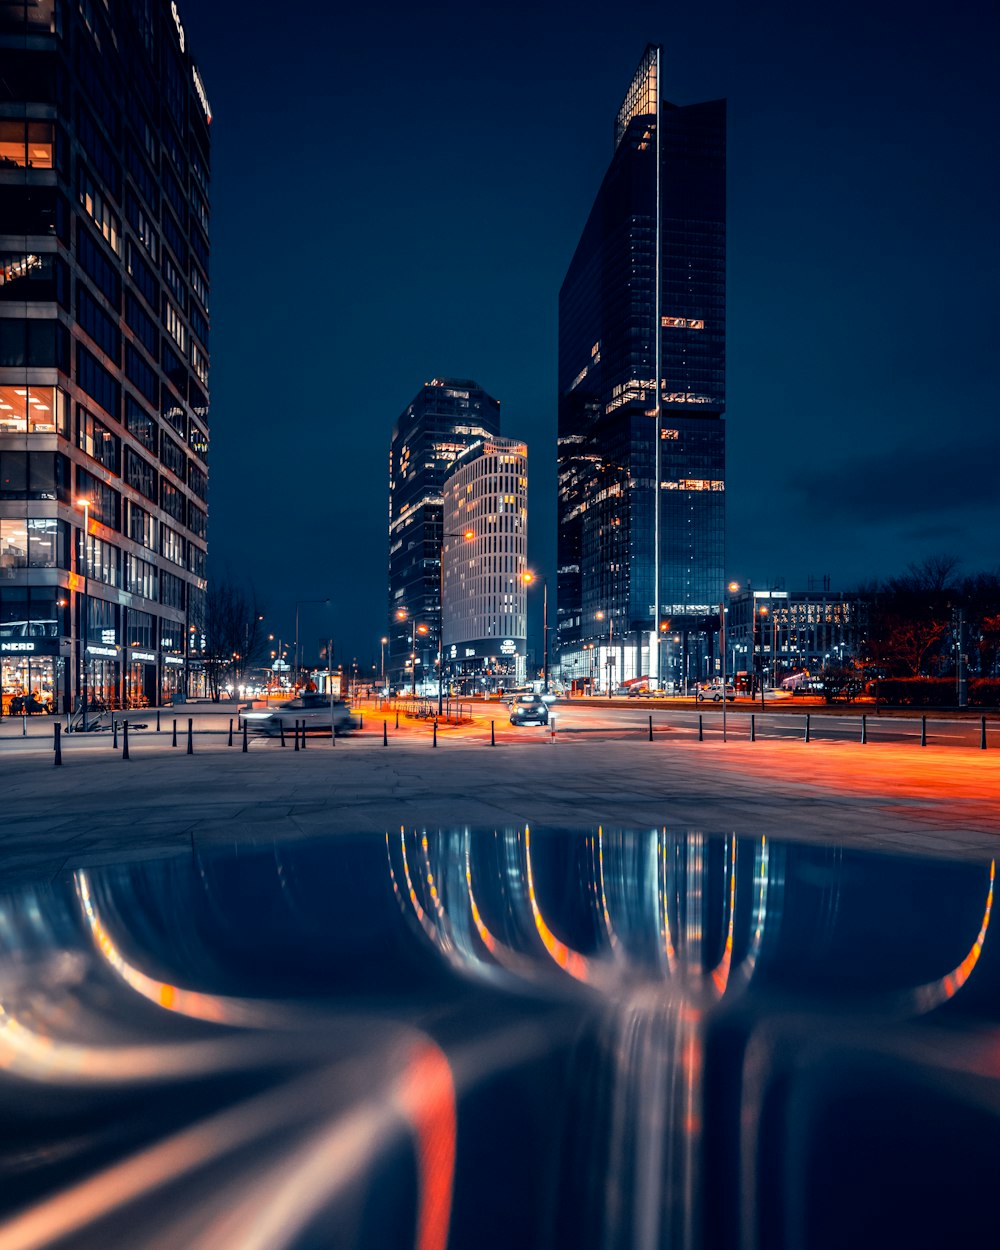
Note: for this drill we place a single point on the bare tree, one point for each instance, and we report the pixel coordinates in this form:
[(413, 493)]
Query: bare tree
[(234, 635)]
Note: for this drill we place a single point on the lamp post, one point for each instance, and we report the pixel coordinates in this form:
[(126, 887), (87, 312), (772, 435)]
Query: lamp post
[(733, 587), (401, 615), (383, 642), (298, 604), (599, 616), (763, 616), (85, 504), (528, 578)]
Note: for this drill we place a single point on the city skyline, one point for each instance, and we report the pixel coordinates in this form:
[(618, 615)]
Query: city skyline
[(860, 265)]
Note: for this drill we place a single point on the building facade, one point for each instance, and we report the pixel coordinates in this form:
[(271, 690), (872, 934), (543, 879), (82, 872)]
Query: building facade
[(772, 633), (642, 462), (444, 419), (104, 228), (485, 559)]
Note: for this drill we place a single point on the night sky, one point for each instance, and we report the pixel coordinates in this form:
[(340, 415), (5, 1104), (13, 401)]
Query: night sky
[(397, 193)]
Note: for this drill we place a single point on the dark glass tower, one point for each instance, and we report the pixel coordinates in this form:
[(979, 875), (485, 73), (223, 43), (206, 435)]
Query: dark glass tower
[(641, 466), (104, 160), (445, 418)]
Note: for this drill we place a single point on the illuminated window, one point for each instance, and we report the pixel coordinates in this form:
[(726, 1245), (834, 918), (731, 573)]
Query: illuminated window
[(98, 209), (26, 144)]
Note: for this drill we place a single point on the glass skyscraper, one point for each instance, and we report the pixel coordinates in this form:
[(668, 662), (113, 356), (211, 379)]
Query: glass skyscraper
[(443, 420), (104, 265), (641, 464)]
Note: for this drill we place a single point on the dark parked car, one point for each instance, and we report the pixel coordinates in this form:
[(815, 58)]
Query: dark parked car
[(529, 709)]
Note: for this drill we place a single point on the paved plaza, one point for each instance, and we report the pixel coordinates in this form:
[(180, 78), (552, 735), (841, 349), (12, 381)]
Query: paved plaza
[(99, 808)]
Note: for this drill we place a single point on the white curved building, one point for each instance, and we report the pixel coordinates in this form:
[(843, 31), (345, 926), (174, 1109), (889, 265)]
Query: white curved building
[(484, 559)]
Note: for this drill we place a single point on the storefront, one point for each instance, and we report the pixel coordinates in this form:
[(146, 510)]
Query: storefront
[(172, 679), (103, 675), (140, 678), (33, 674)]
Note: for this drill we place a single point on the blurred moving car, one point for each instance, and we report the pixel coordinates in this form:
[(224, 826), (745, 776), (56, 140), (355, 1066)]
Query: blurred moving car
[(713, 690), (313, 709), (529, 709)]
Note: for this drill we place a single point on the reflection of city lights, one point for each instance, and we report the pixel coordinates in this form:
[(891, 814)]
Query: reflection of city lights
[(931, 995), (571, 961), (213, 1007)]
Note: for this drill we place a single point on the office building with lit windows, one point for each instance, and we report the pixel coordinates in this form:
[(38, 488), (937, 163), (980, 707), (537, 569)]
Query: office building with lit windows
[(641, 450), (485, 558), (443, 420), (104, 160)]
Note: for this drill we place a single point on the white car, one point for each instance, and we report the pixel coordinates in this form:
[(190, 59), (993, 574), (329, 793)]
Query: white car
[(713, 691), (313, 709)]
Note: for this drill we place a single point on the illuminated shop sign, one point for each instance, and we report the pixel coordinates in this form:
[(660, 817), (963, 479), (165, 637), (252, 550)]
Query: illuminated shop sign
[(173, 660), (33, 647), (145, 657), (508, 647), (106, 653)]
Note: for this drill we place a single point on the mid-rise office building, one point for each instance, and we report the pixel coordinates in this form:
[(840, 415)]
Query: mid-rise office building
[(444, 419), (642, 393), (485, 559), (104, 264), (771, 633)]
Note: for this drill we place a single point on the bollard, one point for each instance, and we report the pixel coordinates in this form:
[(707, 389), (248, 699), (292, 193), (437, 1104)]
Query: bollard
[(701, 728), (923, 731), (57, 743), (397, 718), (230, 742), (864, 728), (552, 729), (281, 730), (114, 733), (296, 734), (493, 736), (435, 742), (303, 733), (125, 754), (174, 743), (24, 726), (190, 749), (385, 733), (157, 720), (753, 727), (982, 735), (361, 720), (245, 745), (651, 729), (807, 727)]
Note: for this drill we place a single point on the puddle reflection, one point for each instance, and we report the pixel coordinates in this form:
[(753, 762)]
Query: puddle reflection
[(514, 1036)]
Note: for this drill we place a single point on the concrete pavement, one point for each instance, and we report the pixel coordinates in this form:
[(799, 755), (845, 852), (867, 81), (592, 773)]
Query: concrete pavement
[(98, 808)]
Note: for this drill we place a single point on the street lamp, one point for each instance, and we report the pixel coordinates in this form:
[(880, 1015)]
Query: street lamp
[(763, 616), (528, 578), (85, 504), (298, 604), (599, 616), (383, 641), (401, 615), (733, 587)]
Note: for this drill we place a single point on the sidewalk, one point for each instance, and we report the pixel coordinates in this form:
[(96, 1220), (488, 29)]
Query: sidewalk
[(98, 807)]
